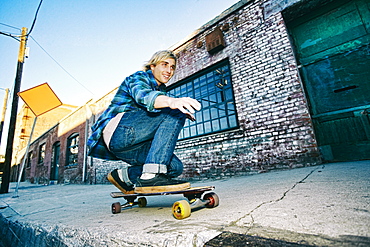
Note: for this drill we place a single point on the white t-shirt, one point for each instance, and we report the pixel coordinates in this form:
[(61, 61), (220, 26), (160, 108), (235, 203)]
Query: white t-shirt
[(111, 127)]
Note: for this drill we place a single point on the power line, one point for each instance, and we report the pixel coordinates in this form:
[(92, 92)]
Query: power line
[(29, 35), (10, 35), (34, 19), (32, 26), (61, 66), (10, 26)]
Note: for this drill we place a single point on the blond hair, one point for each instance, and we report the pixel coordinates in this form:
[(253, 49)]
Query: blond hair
[(158, 57)]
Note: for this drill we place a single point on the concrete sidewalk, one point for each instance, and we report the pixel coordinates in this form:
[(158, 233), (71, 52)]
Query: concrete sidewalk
[(326, 205)]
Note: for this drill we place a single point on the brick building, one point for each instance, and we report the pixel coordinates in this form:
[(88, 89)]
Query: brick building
[(24, 123), (277, 89)]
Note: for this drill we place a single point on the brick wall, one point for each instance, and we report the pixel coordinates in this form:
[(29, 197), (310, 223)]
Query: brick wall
[(275, 130), (38, 172), (275, 126), (74, 123)]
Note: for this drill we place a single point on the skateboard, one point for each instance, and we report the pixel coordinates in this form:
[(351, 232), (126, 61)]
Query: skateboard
[(197, 198)]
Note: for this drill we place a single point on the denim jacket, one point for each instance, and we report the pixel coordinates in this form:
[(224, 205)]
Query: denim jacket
[(138, 90)]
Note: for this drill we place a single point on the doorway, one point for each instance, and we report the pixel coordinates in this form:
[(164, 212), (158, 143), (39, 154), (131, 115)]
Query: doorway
[(332, 47), (54, 173)]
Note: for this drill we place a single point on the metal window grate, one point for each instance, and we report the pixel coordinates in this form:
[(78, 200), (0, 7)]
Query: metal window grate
[(213, 89)]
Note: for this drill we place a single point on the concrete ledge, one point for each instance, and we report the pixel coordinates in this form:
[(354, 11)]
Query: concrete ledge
[(18, 234)]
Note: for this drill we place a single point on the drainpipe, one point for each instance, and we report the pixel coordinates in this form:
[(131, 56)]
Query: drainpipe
[(89, 113), (84, 164)]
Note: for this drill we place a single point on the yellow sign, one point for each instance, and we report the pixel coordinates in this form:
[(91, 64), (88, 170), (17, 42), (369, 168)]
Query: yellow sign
[(40, 99)]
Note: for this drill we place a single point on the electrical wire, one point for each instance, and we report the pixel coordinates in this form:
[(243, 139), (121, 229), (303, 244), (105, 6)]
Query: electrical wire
[(32, 26), (34, 19), (10, 26), (61, 66), (29, 35), (10, 35)]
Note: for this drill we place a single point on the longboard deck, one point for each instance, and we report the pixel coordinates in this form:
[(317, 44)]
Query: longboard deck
[(190, 190)]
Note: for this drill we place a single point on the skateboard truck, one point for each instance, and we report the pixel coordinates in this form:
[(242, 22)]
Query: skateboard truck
[(182, 209), (130, 202)]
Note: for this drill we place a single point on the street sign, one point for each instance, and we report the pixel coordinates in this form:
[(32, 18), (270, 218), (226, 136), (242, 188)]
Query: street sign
[(40, 99)]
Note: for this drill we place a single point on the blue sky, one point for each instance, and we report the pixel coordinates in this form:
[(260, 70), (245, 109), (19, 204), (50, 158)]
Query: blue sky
[(97, 42)]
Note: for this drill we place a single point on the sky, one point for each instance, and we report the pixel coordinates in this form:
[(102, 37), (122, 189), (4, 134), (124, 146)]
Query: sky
[(85, 48)]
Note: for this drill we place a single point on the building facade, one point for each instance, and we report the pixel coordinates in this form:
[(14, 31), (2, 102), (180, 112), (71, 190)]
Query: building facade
[(277, 88), (23, 129)]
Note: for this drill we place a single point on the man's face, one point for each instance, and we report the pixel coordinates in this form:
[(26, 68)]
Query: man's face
[(164, 70)]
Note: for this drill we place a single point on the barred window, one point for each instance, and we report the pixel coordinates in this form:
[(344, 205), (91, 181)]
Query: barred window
[(72, 150), (213, 89)]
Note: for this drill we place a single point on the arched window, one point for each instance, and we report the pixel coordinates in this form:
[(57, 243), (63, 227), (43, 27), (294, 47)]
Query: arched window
[(42, 149)]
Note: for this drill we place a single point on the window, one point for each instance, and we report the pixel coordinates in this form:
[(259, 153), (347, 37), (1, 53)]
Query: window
[(42, 153), (72, 150), (54, 171), (213, 89), (29, 159)]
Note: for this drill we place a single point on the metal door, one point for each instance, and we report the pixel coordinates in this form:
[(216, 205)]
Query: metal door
[(333, 51)]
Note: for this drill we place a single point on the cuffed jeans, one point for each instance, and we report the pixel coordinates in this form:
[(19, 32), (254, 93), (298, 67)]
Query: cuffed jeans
[(143, 137)]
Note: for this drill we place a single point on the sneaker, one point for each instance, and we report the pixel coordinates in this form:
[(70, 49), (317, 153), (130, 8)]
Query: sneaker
[(121, 185), (160, 183)]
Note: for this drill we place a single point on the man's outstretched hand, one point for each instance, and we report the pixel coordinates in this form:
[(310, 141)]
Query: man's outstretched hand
[(186, 105)]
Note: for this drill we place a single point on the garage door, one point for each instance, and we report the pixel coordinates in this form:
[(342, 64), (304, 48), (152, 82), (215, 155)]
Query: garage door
[(333, 51)]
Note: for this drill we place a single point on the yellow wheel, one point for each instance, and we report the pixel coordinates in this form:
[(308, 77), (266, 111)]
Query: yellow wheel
[(181, 209), (142, 202)]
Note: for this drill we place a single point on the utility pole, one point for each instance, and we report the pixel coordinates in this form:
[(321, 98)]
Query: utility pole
[(3, 112), (13, 115)]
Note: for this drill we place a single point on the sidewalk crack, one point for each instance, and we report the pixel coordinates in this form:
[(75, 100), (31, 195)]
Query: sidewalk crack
[(250, 214), (6, 205)]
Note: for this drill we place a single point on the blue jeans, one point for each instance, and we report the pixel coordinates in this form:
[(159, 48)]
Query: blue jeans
[(143, 137)]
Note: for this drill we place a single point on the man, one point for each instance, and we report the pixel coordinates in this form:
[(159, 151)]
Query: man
[(141, 126)]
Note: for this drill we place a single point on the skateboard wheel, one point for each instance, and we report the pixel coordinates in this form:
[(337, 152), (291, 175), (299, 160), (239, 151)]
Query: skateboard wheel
[(213, 200), (142, 202), (181, 209), (116, 208)]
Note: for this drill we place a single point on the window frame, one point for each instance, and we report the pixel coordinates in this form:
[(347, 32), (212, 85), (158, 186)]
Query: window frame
[(42, 152), (72, 155), (213, 88), (29, 159)]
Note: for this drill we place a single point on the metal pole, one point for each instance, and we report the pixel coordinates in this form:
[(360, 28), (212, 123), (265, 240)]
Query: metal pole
[(25, 158), (13, 116)]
